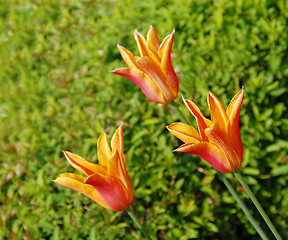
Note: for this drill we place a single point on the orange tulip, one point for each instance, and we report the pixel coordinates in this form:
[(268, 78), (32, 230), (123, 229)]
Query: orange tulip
[(152, 71), (218, 141), (108, 183)]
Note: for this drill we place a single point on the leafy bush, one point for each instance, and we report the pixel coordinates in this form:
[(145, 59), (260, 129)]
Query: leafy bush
[(57, 94)]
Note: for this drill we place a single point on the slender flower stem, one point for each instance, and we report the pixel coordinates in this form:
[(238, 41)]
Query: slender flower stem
[(137, 222), (179, 113), (243, 207), (258, 205)]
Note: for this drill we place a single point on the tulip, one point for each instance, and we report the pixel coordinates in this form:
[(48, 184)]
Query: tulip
[(218, 141), (152, 71), (108, 183)]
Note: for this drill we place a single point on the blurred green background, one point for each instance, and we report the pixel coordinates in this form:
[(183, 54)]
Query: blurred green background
[(56, 94)]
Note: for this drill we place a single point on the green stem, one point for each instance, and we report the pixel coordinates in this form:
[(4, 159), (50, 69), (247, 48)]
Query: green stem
[(258, 205), (243, 207), (179, 113), (137, 222)]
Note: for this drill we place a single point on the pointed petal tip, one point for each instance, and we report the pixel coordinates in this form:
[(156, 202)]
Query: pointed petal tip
[(118, 70), (183, 99), (172, 35), (211, 94), (179, 149), (136, 32), (115, 71), (103, 133), (172, 124), (169, 127), (66, 153), (56, 180), (120, 47)]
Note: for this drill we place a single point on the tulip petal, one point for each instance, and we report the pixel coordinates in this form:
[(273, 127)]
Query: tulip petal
[(222, 141), (163, 46), (209, 152), (153, 40), (117, 141), (184, 132), (153, 70), (128, 57), (103, 149), (202, 122), (76, 182), (239, 95), (117, 170), (217, 111), (141, 43), (233, 124), (82, 165), (111, 193), (63, 176), (148, 87), (166, 64)]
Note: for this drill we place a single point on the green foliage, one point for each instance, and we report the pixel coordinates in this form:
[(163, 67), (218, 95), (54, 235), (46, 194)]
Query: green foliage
[(57, 94)]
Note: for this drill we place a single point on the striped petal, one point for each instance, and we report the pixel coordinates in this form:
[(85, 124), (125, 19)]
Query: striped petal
[(166, 64), (76, 182), (103, 149), (148, 87), (163, 46), (117, 169), (222, 141), (209, 152), (202, 122), (128, 57), (117, 141), (153, 70), (233, 124), (141, 43), (63, 176), (235, 99), (184, 132), (217, 111), (111, 192), (153, 40), (82, 165)]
